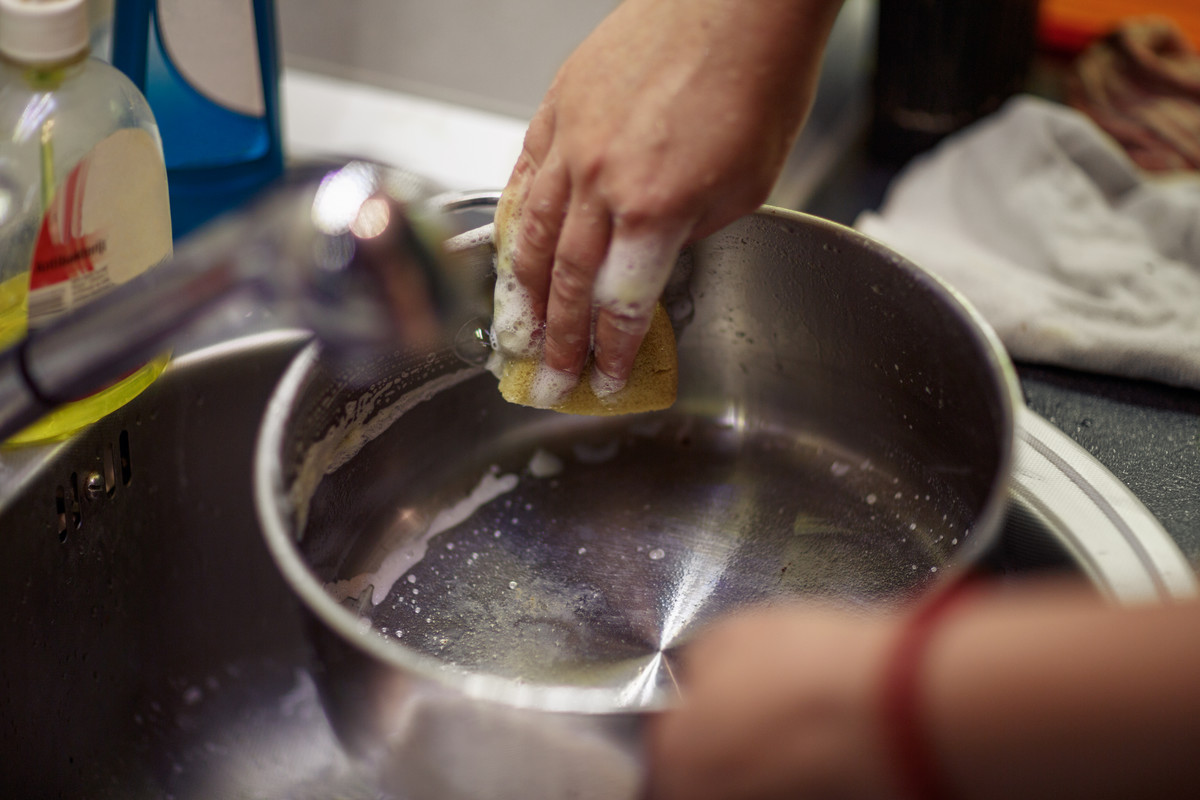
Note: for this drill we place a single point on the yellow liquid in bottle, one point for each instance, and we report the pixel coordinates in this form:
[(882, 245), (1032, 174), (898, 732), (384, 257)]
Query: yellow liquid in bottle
[(14, 309), (65, 420), (94, 92)]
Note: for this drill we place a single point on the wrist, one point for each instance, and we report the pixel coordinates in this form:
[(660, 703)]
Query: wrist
[(915, 765)]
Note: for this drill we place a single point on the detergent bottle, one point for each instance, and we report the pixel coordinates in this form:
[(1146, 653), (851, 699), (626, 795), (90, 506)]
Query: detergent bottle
[(83, 188)]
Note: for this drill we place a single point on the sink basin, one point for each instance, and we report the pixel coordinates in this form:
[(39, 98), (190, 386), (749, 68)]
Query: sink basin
[(150, 649)]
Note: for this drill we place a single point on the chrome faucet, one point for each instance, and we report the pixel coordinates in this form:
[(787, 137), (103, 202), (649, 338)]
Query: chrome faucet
[(355, 254)]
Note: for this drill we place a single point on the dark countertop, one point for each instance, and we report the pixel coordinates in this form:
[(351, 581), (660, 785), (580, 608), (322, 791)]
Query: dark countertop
[(1146, 434)]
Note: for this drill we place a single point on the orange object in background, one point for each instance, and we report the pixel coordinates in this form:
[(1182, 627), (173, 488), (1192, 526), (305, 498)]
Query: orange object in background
[(1068, 26)]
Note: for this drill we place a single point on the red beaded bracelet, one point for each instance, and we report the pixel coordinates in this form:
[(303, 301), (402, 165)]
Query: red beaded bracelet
[(914, 760)]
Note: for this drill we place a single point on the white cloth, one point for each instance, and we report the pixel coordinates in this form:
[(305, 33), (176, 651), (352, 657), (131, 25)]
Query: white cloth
[(1073, 255)]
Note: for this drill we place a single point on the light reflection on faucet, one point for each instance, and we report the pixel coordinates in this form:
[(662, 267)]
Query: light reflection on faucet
[(352, 254)]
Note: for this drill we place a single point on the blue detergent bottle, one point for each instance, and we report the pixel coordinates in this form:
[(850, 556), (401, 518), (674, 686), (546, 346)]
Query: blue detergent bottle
[(210, 70)]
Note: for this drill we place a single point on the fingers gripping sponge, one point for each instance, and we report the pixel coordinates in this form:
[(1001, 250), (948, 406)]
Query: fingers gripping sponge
[(655, 377), (651, 386)]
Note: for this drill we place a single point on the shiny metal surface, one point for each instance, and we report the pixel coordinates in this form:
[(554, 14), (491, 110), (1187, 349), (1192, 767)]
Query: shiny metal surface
[(611, 542), (155, 651), (343, 250), (152, 648), (843, 430)]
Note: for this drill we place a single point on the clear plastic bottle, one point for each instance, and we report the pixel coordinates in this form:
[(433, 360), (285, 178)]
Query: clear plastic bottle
[(83, 187)]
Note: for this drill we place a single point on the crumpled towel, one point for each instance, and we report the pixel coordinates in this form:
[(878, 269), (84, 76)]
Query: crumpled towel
[(1074, 256)]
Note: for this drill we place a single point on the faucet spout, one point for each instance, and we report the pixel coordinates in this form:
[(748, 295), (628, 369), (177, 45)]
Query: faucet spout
[(355, 254)]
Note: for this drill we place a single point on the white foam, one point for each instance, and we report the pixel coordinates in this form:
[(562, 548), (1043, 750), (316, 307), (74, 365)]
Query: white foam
[(495, 363), (550, 387), (358, 426), (544, 464), (636, 270), (400, 560), (349, 587), (514, 325), (604, 385)]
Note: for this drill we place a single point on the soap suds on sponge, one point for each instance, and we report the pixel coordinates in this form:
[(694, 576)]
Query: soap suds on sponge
[(652, 385), (516, 358)]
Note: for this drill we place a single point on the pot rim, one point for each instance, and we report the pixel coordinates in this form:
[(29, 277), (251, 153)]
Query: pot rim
[(271, 496)]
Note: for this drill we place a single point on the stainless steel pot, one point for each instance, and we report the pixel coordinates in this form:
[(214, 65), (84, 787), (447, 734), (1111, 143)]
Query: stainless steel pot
[(497, 593)]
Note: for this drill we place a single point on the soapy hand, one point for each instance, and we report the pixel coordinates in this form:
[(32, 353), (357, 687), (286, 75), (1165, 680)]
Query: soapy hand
[(672, 119)]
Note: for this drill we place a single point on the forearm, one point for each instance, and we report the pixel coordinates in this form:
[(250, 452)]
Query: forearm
[(777, 49), (671, 120), (697, 91), (1054, 694)]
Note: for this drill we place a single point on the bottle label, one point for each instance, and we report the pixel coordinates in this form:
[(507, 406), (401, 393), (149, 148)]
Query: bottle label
[(107, 222)]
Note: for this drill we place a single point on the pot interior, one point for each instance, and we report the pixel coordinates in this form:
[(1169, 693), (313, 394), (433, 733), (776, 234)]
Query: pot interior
[(843, 431)]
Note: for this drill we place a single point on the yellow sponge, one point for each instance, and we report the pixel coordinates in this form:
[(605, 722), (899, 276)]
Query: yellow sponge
[(652, 384), (655, 377)]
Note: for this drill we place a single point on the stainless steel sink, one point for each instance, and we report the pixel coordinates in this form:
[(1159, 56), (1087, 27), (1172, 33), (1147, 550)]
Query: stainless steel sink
[(150, 649)]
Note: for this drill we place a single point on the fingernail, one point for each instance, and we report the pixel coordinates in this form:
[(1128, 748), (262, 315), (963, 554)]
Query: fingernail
[(604, 385), (550, 387)]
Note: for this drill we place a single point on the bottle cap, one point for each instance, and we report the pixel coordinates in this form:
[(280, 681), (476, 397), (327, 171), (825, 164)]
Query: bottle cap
[(43, 31)]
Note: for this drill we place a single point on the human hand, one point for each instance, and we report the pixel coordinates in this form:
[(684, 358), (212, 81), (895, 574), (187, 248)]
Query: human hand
[(776, 704), (672, 119), (1088, 698)]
